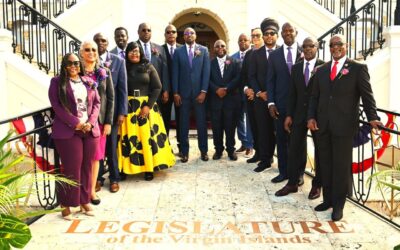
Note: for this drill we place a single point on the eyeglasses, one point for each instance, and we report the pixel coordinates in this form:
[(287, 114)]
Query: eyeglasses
[(90, 49), (219, 46), (134, 52), (189, 33), (100, 40), (338, 44), (146, 30), (255, 35), (271, 33), (309, 46), (73, 63), (170, 32)]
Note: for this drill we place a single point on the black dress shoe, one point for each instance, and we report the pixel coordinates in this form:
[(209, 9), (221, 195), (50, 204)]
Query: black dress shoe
[(301, 181), (253, 159), (315, 193), (184, 158), (217, 156), (204, 157), (322, 207), (261, 166), (241, 149), (287, 189), (278, 179), (233, 156), (148, 176), (95, 201), (337, 214)]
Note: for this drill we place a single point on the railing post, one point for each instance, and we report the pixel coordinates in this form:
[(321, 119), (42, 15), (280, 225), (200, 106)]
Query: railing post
[(34, 16), (397, 13), (353, 7)]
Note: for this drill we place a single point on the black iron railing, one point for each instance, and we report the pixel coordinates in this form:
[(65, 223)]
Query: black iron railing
[(52, 8), (340, 8), (37, 38), (363, 30)]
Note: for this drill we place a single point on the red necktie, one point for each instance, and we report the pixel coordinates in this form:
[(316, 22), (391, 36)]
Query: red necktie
[(334, 70)]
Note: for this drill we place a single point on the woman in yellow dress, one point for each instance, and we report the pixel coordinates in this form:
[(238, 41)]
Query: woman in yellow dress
[(143, 144)]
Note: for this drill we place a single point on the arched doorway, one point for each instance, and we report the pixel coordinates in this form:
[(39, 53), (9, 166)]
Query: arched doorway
[(208, 26)]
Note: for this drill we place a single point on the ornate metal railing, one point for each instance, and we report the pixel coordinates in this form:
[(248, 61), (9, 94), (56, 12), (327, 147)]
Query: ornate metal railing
[(340, 8), (32, 138), (53, 8), (35, 37), (363, 30)]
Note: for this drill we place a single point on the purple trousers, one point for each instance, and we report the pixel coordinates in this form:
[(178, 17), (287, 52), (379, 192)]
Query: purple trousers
[(76, 154)]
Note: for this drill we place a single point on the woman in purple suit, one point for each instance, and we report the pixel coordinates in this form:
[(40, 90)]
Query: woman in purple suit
[(75, 132)]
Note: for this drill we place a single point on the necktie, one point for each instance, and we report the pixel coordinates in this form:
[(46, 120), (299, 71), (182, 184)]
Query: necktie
[(122, 54), (146, 51), (334, 70), (221, 67), (306, 73), (241, 55), (171, 51), (268, 51), (190, 55), (289, 60)]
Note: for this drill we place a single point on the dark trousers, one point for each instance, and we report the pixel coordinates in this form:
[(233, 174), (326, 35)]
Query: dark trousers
[(201, 124), (112, 158), (165, 109), (298, 155), (265, 130), (282, 144), (335, 157), (76, 154), (253, 124)]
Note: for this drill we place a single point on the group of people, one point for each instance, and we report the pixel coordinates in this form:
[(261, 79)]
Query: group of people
[(116, 106)]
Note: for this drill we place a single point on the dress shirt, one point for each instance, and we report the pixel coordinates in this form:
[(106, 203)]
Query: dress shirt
[(221, 64), (310, 66), (266, 50), (340, 64), (103, 57), (169, 47), (149, 48), (193, 49), (294, 52)]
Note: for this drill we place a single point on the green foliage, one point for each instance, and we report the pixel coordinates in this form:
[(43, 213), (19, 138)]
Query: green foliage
[(387, 178)]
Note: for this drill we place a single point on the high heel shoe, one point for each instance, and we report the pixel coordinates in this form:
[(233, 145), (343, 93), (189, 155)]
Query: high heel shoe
[(95, 201), (66, 213), (87, 210)]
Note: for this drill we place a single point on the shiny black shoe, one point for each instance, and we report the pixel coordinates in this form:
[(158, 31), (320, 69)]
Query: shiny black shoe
[(253, 159), (95, 201), (148, 176), (278, 179), (184, 158), (337, 214), (261, 166), (233, 156), (217, 156), (204, 157), (322, 207)]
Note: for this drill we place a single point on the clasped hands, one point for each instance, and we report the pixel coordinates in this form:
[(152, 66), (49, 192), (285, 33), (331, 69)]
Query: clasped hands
[(200, 98), (221, 92), (84, 127)]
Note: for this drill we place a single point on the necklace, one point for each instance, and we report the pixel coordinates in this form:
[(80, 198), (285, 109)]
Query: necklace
[(75, 81)]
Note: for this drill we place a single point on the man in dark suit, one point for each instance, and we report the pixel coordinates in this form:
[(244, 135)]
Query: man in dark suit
[(225, 100), (243, 126), (191, 75), (118, 74), (121, 39), (334, 115), (280, 65), (167, 97), (257, 78), (296, 120)]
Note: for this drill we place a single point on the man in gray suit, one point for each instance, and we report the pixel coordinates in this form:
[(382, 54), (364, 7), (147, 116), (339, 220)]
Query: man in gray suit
[(121, 39)]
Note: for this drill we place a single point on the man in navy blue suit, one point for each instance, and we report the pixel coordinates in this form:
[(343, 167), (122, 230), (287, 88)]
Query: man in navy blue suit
[(225, 100), (118, 75), (191, 75), (280, 64)]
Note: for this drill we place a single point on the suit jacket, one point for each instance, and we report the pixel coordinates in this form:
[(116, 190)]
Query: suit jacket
[(278, 78), (159, 61), (190, 81), (258, 69), (335, 104), (64, 122), (118, 74), (169, 61), (299, 93), (245, 69), (106, 93)]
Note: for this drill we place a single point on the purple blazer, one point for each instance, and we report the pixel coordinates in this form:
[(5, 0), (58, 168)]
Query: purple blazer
[(65, 122)]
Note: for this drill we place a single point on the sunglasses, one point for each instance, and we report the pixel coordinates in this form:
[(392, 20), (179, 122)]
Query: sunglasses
[(189, 33), (338, 44), (73, 63), (146, 30), (90, 49), (219, 46), (255, 35), (170, 32), (101, 40), (309, 46), (271, 33)]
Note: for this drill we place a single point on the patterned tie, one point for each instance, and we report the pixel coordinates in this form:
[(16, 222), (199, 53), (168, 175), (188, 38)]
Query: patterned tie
[(221, 66), (241, 55), (122, 54), (190, 55), (171, 51), (307, 73), (334, 70), (289, 60), (147, 52)]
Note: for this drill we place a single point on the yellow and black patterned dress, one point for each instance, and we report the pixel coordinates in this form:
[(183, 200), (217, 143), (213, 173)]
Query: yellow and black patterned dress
[(143, 144)]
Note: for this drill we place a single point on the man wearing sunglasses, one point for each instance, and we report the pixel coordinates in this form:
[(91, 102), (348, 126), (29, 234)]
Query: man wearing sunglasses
[(334, 115), (190, 80)]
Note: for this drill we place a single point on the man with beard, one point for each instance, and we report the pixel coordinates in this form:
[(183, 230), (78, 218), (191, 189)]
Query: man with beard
[(121, 39)]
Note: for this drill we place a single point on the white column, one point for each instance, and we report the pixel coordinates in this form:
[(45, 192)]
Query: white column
[(5, 51), (392, 34)]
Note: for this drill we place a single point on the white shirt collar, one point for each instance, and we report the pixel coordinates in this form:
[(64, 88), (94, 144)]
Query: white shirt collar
[(294, 51), (222, 59), (340, 64), (103, 57)]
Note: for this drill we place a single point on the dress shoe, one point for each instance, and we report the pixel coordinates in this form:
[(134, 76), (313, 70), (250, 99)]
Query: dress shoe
[(315, 193), (253, 159), (287, 189), (184, 158), (114, 187), (248, 153), (261, 166), (322, 207), (217, 156), (98, 186), (87, 210), (204, 157), (95, 201), (241, 149), (148, 176), (233, 156), (337, 214), (278, 179), (301, 181)]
